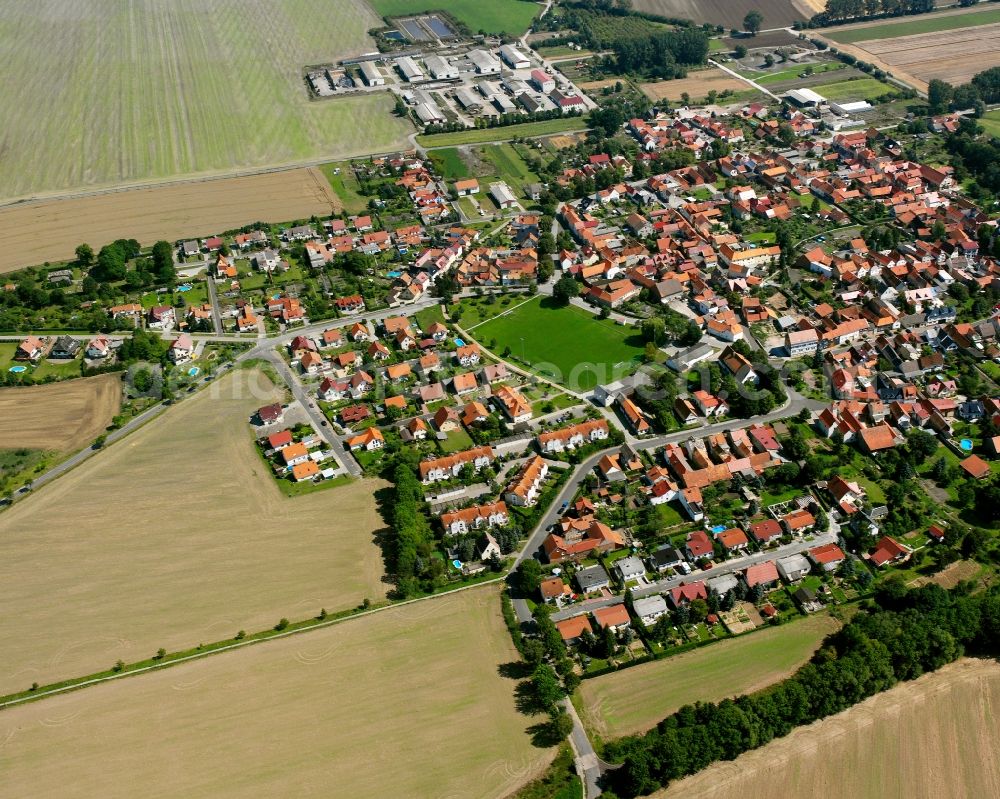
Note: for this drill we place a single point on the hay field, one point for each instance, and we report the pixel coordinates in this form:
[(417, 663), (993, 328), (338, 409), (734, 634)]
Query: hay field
[(174, 536), (953, 56), (636, 699), (404, 703), (50, 230), (697, 84), (64, 417), (937, 737), (730, 13), (154, 89)]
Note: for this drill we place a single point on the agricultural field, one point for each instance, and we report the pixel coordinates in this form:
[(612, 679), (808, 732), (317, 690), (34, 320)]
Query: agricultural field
[(860, 89), (64, 417), (923, 23), (569, 345), (730, 13), (202, 544), (450, 163), (634, 700), (497, 16), (485, 135), (145, 91), (406, 703), (938, 736), (991, 124), (953, 55), (697, 85), (50, 230)]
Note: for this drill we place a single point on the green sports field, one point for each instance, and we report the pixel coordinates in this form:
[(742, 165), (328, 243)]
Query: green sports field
[(929, 23), (990, 122), (569, 345), (493, 16), (860, 89), (101, 92)]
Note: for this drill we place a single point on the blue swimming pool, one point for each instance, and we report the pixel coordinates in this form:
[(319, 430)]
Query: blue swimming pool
[(193, 371), (965, 444), (459, 342), (185, 287), (18, 369), (457, 564), (718, 529), (393, 275)]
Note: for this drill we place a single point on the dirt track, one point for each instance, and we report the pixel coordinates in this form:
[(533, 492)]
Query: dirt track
[(50, 230), (937, 737)]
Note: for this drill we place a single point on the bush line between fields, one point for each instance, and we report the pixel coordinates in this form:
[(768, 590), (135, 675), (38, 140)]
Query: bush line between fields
[(282, 629)]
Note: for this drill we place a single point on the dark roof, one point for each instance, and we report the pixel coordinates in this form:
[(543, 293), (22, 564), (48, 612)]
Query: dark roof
[(665, 554)]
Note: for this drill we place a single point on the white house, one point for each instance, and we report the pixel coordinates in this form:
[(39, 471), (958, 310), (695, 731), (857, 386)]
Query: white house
[(649, 609)]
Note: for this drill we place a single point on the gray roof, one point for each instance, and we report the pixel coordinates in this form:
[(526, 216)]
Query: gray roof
[(630, 565), (592, 577), (647, 606)]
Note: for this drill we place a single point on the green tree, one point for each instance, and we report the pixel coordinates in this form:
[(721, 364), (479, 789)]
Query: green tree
[(565, 289), (753, 21)]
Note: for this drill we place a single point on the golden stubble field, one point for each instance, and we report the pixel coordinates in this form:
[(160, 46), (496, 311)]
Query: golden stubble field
[(102, 93), (937, 737), (50, 230), (64, 416), (174, 536), (953, 56), (697, 84), (403, 703)]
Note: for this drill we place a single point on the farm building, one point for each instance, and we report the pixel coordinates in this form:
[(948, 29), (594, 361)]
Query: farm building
[(544, 82), (503, 104), (515, 58), (502, 194), (409, 70), (484, 62), (469, 100), (846, 109), (429, 113), (806, 98), (371, 74), (440, 68)]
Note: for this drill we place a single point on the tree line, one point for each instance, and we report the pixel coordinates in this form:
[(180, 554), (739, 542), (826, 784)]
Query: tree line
[(839, 10), (900, 636)]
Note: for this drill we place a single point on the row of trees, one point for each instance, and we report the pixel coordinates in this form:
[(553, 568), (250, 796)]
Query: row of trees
[(408, 546), (900, 637), (837, 10), (661, 54)]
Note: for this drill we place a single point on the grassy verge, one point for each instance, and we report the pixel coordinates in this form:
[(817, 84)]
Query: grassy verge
[(345, 185), (486, 135)]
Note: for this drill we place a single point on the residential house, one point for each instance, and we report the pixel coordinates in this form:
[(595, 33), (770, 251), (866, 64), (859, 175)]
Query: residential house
[(649, 609)]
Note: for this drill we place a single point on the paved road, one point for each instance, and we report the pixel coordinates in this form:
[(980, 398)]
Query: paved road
[(214, 299), (588, 764), (795, 404), (726, 567)]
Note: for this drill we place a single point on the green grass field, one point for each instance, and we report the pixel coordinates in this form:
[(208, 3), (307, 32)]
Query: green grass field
[(485, 135), (496, 16), (569, 345), (990, 122), (146, 91), (510, 167), (345, 185), (637, 698), (860, 89), (450, 164), (928, 23), (793, 73)]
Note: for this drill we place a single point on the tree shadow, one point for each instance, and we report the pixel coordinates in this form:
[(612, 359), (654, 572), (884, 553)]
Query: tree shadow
[(544, 735), (526, 700), (514, 670)]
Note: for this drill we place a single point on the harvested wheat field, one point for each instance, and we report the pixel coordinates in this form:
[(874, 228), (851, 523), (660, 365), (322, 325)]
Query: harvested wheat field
[(937, 737), (50, 230), (730, 13), (696, 84), (64, 416), (953, 56), (952, 574), (404, 703), (152, 89), (174, 536), (636, 699)]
